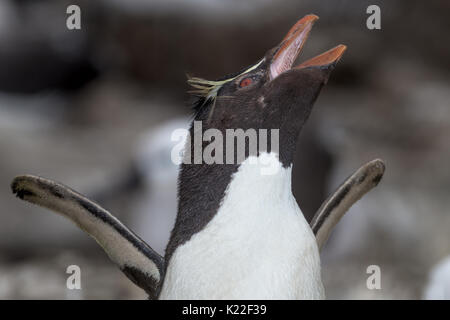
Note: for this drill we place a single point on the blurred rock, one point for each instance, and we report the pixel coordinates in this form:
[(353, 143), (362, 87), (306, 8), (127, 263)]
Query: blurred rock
[(438, 286), (75, 104), (45, 277), (155, 208), (404, 222), (90, 159), (38, 52)]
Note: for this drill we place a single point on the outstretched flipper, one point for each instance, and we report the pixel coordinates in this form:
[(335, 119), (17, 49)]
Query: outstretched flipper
[(135, 258), (332, 210)]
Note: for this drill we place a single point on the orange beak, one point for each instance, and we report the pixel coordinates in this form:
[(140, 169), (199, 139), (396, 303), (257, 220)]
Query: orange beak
[(292, 44), (332, 56)]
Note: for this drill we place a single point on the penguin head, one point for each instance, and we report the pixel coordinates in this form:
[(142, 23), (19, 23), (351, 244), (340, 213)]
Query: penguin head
[(271, 94)]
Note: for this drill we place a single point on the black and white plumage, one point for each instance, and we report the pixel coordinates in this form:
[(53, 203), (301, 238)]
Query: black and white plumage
[(134, 257), (239, 234)]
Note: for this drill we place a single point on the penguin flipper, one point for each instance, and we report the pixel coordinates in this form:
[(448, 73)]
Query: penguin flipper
[(351, 190), (140, 263)]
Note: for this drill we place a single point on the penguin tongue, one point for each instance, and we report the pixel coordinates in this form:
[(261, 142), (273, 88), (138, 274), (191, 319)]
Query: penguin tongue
[(292, 44)]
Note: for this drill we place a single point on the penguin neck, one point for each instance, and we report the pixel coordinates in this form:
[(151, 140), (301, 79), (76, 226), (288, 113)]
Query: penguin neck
[(255, 244), (202, 189)]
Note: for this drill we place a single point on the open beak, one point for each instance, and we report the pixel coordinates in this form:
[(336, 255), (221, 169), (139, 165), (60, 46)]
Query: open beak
[(292, 44)]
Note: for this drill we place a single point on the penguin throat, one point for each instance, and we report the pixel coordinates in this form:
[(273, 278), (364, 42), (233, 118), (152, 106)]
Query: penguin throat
[(202, 189)]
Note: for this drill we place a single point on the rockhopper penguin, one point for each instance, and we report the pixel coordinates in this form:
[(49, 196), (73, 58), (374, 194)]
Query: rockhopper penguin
[(239, 233)]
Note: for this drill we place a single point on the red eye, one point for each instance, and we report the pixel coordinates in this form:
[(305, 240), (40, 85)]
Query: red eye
[(245, 82)]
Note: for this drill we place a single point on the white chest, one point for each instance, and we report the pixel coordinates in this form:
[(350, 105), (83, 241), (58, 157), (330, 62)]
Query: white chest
[(258, 245)]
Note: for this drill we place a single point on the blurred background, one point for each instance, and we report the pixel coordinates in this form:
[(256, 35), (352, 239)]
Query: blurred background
[(94, 108)]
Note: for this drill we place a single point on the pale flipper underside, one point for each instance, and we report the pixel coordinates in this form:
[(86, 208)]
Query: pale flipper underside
[(350, 191), (134, 257)]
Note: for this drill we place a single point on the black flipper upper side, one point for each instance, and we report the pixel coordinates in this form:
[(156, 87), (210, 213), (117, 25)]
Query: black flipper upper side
[(140, 263), (351, 190)]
